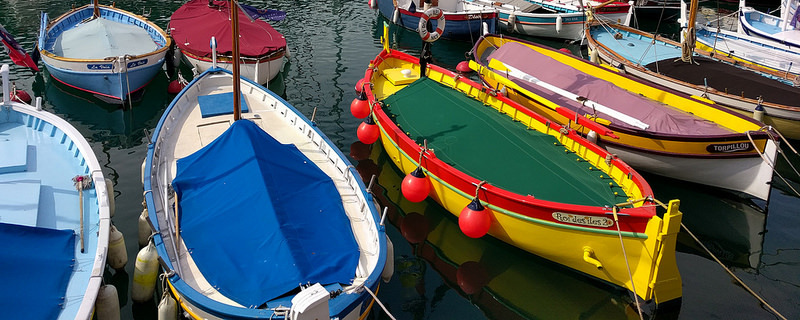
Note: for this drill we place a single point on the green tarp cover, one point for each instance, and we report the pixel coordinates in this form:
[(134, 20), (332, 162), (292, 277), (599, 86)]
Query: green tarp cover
[(487, 145)]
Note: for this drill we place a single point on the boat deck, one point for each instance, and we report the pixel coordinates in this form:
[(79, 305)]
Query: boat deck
[(487, 145)]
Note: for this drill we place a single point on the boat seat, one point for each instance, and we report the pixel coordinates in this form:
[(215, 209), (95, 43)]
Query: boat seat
[(15, 155), (19, 202), (521, 5), (219, 104)]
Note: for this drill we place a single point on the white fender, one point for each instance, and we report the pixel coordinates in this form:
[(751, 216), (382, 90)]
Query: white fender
[(112, 203), (559, 22), (107, 304), (372, 4), (145, 274), (167, 308), (593, 57), (592, 136), (144, 229), (117, 252), (512, 22), (388, 268), (395, 16)]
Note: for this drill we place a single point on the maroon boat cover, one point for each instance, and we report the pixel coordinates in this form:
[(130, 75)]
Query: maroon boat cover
[(661, 118), (193, 24)]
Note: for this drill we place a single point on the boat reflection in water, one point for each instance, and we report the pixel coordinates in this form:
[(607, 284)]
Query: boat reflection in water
[(731, 227), (503, 281)]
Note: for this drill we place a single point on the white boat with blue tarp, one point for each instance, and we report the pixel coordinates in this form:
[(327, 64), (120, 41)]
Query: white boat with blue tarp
[(103, 50), (256, 213), (54, 215)]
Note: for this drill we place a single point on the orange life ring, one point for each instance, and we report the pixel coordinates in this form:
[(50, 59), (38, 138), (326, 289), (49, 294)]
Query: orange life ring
[(431, 13)]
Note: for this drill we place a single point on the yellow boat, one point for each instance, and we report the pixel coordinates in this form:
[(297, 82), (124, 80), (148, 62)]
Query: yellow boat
[(653, 129), (543, 187)]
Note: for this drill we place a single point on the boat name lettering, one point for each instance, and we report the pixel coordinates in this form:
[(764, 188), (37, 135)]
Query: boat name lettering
[(583, 220), (730, 147), (103, 66), (473, 16), (137, 63)]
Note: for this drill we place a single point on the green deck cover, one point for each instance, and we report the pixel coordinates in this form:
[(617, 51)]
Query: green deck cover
[(488, 145)]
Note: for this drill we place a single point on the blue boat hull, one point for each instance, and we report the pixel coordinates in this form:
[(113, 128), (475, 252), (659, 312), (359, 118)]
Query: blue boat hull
[(466, 26)]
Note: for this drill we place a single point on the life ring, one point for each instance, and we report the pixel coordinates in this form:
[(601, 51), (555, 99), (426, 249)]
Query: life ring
[(431, 13)]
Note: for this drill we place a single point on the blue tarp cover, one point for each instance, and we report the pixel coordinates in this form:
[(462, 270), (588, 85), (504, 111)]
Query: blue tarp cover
[(35, 267), (259, 218)]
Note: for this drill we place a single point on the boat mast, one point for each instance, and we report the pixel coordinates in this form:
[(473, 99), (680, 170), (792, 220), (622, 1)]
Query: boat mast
[(234, 10), (96, 13), (687, 46)]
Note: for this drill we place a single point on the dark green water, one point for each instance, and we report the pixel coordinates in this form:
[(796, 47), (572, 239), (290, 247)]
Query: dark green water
[(439, 273)]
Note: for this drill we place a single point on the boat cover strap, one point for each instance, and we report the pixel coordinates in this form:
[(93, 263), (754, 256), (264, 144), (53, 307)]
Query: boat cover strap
[(259, 218), (35, 268), (488, 145)]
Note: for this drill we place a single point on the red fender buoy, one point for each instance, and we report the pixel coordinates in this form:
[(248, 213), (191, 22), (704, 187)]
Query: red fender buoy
[(463, 67), (415, 186), (472, 277), (474, 219), (360, 106), (368, 132), (21, 96), (174, 87), (565, 50)]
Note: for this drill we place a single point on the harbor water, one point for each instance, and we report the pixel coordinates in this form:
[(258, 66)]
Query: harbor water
[(439, 272)]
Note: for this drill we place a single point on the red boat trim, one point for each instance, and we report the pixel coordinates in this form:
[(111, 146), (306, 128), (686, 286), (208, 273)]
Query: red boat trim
[(98, 93), (456, 16)]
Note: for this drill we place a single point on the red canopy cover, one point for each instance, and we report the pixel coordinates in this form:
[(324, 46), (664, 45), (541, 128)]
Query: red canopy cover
[(193, 24)]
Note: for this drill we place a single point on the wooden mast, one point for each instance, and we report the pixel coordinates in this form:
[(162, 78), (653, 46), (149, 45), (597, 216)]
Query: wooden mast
[(96, 9), (234, 10), (687, 46)]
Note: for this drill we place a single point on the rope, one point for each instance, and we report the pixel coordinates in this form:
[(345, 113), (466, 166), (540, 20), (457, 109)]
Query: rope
[(770, 163), (379, 303), (627, 265), (741, 283)]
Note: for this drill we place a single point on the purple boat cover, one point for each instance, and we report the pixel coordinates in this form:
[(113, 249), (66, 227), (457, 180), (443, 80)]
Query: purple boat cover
[(661, 118)]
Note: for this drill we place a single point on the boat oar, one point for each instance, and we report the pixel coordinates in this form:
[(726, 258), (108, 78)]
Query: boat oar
[(516, 73), (588, 123), (81, 182)]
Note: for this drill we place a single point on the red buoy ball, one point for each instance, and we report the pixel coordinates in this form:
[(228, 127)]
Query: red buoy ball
[(415, 186), (565, 50), (474, 220), (463, 67), (21, 96), (174, 87), (368, 132), (472, 277), (360, 106)]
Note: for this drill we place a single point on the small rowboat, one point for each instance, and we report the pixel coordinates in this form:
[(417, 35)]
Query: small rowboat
[(256, 213), (465, 21), (54, 215), (103, 50), (658, 130), (262, 47), (509, 172)]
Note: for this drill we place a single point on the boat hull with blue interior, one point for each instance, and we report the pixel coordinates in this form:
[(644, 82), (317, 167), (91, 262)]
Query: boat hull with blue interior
[(508, 172), (109, 52), (655, 129), (751, 50), (245, 210), (560, 20), (783, 30), (55, 213), (765, 95), (464, 20)]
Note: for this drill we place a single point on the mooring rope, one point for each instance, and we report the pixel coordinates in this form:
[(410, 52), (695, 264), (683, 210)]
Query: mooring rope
[(627, 265), (380, 303), (771, 163), (739, 281)]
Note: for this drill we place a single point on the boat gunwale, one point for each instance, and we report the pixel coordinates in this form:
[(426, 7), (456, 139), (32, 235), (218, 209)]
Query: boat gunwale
[(509, 199), (202, 301)]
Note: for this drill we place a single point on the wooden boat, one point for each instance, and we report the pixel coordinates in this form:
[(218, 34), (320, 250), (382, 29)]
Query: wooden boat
[(256, 213), (55, 211), (104, 50), (783, 30), (751, 50), (551, 19), (262, 47), (503, 281), (464, 21), (530, 182), (743, 88), (659, 130)]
